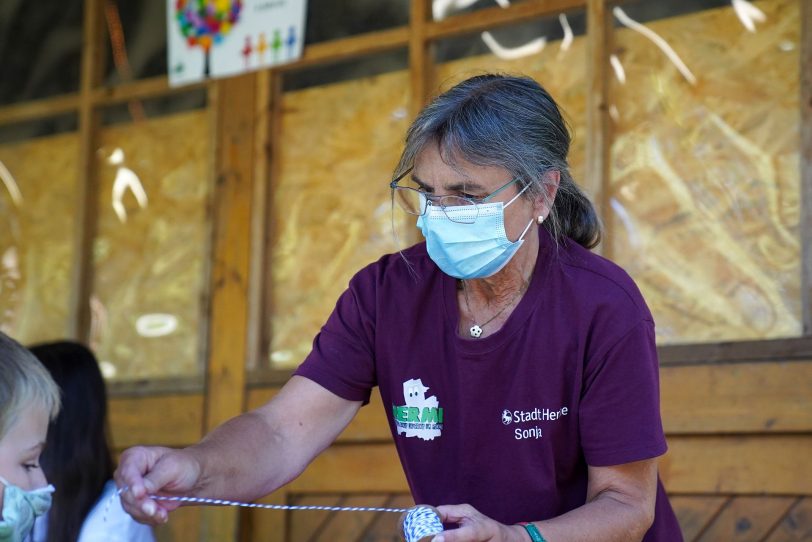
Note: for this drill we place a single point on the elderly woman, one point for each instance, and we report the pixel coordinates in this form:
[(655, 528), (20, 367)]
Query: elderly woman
[(520, 368)]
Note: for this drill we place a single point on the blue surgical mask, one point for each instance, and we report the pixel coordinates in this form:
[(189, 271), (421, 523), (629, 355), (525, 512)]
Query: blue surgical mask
[(470, 251), (20, 509)]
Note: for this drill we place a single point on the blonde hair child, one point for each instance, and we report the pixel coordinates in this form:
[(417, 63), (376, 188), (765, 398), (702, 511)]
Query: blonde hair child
[(29, 399)]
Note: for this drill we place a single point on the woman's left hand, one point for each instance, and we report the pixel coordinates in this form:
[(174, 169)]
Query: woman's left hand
[(475, 527)]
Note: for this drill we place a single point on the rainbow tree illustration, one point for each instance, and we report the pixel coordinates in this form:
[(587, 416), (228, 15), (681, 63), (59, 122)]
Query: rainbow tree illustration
[(205, 23)]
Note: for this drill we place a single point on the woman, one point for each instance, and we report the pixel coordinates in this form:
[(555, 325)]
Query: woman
[(77, 459), (520, 368)]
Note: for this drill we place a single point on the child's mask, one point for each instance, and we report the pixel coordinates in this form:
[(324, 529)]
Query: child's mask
[(20, 509)]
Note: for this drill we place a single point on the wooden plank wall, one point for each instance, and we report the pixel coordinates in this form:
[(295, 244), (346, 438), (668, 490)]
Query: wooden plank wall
[(740, 438)]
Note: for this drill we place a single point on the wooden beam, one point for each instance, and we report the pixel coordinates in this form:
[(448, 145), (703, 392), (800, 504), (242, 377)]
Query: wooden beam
[(768, 465), (346, 48), (421, 63), (266, 141), (156, 386), (235, 104), (701, 399), (734, 352), (495, 17), (806, 166), (165, 420), (740, 398), (765, 465), (78, 325), (598, 126), (37, 109), (141, 90)]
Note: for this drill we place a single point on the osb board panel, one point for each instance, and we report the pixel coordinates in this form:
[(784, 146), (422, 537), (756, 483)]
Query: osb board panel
[(153, 262), (561, 73), (171, 420), (747, 519), (796, 525), (768, 464), (737, 398), (36, 236), (705, 179), (331, 211)]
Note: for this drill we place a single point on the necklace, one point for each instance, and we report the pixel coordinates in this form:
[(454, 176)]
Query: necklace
[(476, 329)]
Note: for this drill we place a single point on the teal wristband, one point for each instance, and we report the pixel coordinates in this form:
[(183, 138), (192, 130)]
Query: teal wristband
[(534, 533)]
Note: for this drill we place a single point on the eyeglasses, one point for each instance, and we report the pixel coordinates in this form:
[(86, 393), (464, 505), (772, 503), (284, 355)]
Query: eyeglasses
[(457, 208)]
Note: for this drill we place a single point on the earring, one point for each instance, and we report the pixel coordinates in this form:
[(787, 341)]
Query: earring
[(540, 219)]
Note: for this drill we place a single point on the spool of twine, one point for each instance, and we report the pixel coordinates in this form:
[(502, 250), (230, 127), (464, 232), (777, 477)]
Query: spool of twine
[(420, 524)]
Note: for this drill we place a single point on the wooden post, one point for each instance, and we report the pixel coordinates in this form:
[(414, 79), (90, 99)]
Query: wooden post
[(420, 58), (806, 166), (235, 103), (78, 325), (258, 284), (598, 136)]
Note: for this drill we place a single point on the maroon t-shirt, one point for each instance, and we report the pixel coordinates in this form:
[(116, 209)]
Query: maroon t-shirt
[(507, 423)]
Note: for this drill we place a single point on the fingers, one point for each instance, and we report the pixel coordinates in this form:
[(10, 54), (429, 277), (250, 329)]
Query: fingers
[(473, 526), (456, 513), (133, 465), (463, 534), (145, 471)]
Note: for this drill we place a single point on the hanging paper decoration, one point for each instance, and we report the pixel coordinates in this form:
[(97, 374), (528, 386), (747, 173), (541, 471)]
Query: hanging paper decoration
[(216, 38), (204, 23)]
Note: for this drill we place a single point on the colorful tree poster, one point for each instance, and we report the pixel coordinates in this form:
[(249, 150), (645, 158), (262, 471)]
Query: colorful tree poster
[(219, 38)]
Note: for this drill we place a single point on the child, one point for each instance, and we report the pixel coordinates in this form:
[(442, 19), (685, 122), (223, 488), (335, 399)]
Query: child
[(78, 458), (29, 399)]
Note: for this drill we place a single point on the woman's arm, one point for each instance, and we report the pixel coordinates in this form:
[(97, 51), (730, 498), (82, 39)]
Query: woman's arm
[(619, 507), (245, 458)]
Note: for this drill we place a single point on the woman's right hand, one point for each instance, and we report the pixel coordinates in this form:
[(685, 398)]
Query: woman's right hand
[(155, 470)]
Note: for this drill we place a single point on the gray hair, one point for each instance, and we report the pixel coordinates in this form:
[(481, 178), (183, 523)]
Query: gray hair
[(23, 381), (510, 122)]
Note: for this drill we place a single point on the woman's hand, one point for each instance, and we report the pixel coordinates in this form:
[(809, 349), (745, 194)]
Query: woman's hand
[(475, 527), (155, 470)]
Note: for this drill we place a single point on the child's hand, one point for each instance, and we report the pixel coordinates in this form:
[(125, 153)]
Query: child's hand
[(155, 470)]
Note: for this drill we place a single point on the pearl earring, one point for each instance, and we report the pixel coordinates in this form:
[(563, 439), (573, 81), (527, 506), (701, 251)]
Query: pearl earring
[(540, 219)]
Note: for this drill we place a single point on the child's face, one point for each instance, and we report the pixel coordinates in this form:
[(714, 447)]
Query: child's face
[(20, 449)]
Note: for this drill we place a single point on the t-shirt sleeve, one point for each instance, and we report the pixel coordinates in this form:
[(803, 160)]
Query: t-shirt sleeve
[(342, 359), (620, 404)]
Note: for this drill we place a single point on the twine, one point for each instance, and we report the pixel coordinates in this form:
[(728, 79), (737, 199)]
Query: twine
[(420, 521)]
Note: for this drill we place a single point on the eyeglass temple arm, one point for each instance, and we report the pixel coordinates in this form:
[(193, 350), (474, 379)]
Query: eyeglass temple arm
[(492, 194), (396, 180)]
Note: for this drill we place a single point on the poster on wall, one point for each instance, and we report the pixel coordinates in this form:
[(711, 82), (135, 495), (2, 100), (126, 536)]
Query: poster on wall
[(220, 38)]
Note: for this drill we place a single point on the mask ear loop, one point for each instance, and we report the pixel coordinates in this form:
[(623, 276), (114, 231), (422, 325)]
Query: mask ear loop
[(521, 237), (517, 195)]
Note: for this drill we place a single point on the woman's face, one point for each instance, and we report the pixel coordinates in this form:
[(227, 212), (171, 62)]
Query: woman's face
[(21, 447), (470, 180)]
